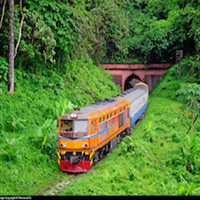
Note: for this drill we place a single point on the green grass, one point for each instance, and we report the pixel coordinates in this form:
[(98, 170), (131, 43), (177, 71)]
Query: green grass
[(148, 162)]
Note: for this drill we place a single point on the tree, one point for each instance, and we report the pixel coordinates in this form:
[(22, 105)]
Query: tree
[(102, 29), (11, 39), (190, 93), (11, 46)]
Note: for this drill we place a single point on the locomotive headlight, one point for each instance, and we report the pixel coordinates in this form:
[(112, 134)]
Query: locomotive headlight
[(85, 145), (63, 145), (73, 115)]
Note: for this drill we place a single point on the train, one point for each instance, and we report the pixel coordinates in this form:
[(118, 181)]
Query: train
[(86, 134)]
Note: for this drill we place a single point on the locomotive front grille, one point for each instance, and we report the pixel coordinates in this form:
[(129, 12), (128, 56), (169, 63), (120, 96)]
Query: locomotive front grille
[(75, 159), (71, 157)]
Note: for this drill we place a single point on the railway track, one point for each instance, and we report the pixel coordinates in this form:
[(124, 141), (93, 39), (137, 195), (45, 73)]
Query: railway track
[(57, 185), (53, 188)]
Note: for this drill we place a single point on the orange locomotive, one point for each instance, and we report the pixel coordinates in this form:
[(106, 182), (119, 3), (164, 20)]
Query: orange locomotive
[(86, 134)]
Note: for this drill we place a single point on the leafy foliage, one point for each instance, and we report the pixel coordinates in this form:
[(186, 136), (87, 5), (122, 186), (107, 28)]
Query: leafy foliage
[(149, 132), (157, 30), (81, 78), (10, 150), (38, 39), (3, 69), (191, 153), (105, 27), (190, 68), (190, 92), (106, 31), (17, 122), (127, 147), (187, 189), (110, 178), (46, 137)]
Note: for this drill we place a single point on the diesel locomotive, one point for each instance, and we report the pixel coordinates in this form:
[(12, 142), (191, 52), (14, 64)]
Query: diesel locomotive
[(86, 134)]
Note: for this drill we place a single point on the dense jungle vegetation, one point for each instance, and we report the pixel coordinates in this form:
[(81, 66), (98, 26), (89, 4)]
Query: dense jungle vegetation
[(146, 31), (57, 67)]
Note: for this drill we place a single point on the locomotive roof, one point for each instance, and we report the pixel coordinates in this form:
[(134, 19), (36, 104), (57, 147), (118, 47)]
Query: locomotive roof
[(96, 105)]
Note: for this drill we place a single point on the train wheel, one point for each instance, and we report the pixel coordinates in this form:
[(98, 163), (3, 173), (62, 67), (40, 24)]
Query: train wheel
[(95, 157), (141, 116), (129, 130), (118, 139), (101, 155), (121, 137), (107, 148), (124, 134)]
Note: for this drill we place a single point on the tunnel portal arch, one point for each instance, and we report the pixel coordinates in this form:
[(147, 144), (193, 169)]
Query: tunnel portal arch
[(127, 85)]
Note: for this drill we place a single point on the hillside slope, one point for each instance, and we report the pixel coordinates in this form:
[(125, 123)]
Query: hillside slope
[(28, 121)]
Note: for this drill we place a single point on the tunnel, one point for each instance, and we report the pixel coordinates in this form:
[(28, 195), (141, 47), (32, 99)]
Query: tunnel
[(127, 83)]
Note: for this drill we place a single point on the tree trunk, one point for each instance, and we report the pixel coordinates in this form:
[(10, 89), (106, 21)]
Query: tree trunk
[(11, 46)]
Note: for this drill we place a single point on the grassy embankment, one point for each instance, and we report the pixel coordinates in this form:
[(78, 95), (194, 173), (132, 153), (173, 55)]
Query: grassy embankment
[(28, 122), (149, 162)]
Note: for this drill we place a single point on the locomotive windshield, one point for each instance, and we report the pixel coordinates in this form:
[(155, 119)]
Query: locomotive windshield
[(80, 126), (66, 125), (74, 125)]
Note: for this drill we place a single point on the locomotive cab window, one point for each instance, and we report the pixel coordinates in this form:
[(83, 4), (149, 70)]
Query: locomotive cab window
[(66, 125), (80, 125), (74, 125)]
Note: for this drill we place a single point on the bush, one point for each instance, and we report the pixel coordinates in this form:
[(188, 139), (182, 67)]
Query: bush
[(3, 69)]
